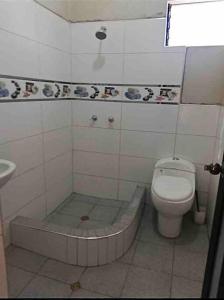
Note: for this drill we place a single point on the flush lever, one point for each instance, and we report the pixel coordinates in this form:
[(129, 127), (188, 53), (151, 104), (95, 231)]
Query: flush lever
[(214, 169)]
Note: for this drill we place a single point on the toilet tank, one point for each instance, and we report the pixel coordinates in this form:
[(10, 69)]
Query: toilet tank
[(176, 164)]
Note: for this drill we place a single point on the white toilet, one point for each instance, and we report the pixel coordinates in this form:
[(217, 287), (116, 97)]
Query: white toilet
[(173, 190)]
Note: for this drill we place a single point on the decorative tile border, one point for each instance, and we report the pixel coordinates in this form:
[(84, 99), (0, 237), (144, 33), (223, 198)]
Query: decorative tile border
[(80, 247), (25, 89)]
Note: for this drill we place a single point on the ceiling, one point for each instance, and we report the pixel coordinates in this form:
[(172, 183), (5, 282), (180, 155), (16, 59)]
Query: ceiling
[(95, 10)]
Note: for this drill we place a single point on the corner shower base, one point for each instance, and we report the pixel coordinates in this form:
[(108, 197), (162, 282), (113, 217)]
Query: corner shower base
[(84, 231)]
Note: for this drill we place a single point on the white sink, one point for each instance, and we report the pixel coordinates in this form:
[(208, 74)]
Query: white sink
[(7, 168)]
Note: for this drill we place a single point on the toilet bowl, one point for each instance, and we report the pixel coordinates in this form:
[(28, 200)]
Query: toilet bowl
[(172, 191)]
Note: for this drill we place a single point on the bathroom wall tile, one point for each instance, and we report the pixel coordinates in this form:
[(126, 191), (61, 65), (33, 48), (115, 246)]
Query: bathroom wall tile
[(89, 185), (198, 149), (20, 10), (57, 142), (154, 68), (57, 193), (36, 209), (97, 68), (26, 153), (202, 178), (127, 189), (21, 190), (56, 114), (18, 55), (97, 164), (220, 129), (203, 199), (19, 120), (196, 119), (158, 118), (136, 40), (84, 110), (58, 168), (96, 139), (147, 144), (54, 64), (85, 41), (136, 169), (52, 29)]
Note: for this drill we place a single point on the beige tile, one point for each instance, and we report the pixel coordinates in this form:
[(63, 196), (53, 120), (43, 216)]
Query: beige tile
[(185, 288), (60, 271), (108, 279), (142, 283)]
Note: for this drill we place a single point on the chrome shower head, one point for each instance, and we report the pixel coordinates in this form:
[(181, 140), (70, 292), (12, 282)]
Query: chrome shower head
[(101, 34)]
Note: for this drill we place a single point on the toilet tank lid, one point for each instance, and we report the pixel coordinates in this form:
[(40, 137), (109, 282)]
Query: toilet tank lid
[(175, 163)]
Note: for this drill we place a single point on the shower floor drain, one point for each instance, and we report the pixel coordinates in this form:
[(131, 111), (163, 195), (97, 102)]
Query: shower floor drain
[(84, 218)]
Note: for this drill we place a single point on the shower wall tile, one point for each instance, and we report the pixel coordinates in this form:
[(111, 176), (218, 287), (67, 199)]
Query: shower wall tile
[(136, 40), (35, 209), (202, 178), (21, 190), (52, 30), (84, 40), (154, 68), (56, 114), (19, 56), (58, 168), (20, 10), (26, 153), (54, 64), (96, 140), (84, 110), (19, 120), (105, 68), (157, 118), (57, 142), (196, 119), (97, 164), (95, 186)]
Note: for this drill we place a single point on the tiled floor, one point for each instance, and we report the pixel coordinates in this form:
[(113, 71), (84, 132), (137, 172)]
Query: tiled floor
[(153, 267), (101, 212)]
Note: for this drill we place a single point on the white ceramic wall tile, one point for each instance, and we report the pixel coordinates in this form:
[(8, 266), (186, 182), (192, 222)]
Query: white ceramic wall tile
[(158, 118), (58, 193), (198, 119), (18, 56), (54, 64), (85, 41), (20, 10), (95, 186), (19, 120), (154, 68), (147, 144), (57, 142), (127, 189), (56, 114), (136, 168), (97, 164), (26, 153), (36, 209), (58, 168), (97, 68), (202, 179), (198, 149), (147, 35), (96, 139), (21, 190), (51, 29), (220, 129), (84, 110)]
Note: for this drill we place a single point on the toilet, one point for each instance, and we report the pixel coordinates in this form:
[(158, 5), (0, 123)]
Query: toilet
[(172, 191)]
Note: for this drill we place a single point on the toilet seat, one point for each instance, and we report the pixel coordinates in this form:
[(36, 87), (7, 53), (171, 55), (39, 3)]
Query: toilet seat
[(172, 188)]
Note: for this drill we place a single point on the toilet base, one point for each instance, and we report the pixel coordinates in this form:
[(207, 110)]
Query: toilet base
[(169, 226)]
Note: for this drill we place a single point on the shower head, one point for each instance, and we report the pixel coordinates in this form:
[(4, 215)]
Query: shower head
[(101, 34)]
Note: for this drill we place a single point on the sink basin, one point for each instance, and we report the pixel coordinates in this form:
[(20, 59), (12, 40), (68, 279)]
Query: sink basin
[(7, 168)]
